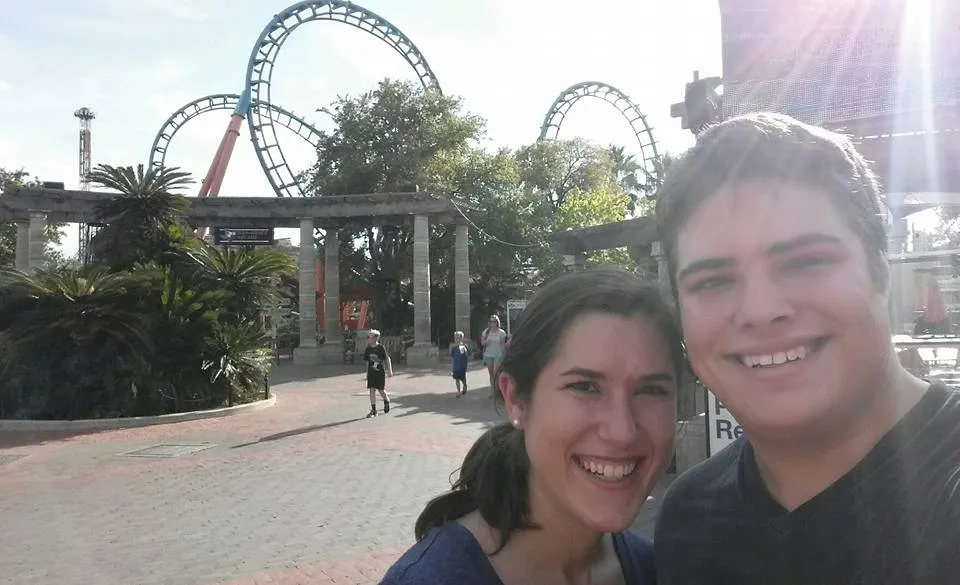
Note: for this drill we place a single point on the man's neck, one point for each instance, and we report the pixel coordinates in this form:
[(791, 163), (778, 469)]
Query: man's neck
[(797, 470)]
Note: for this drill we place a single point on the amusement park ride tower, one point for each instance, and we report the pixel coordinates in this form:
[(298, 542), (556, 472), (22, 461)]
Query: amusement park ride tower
[(86, 116)]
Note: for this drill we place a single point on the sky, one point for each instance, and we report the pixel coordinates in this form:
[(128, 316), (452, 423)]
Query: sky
[(134, 63)]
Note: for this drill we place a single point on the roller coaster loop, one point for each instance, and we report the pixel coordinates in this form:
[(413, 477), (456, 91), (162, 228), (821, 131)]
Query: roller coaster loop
[(610, 94), (254, 102)]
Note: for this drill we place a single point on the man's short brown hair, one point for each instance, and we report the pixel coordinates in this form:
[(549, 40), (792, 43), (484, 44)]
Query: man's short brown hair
[(777, 148)]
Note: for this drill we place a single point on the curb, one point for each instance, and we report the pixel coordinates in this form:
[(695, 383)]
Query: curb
[(133, 421)]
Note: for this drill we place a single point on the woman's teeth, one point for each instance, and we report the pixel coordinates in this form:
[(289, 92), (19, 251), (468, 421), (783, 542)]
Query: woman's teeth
[(605, 470)]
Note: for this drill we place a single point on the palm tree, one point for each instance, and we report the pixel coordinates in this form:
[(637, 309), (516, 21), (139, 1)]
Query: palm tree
[(250, 277), (237, 360), (637, 181), (70, 342), (653, 181), (141, 222), (625, 168)]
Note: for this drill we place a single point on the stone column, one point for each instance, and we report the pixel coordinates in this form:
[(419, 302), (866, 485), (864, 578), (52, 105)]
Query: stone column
[(663, 269), (575, 262), (307, 354), (687, 403), (461, 280), (332, 349), (37, 240), (23, 246), (900, 274), (423, 351)]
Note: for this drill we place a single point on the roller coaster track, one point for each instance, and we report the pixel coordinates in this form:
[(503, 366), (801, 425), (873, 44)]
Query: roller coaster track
[(254, 102), (550, 128), (262, 60), (224, 101)]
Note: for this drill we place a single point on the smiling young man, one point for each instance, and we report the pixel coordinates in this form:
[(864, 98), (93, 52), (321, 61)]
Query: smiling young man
[(849, 471)]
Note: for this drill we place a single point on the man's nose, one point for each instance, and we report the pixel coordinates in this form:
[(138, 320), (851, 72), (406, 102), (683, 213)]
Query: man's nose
[(763, 301)]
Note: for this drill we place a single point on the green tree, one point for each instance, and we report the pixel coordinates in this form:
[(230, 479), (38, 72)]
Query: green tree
[(144, 221), (8, 230), (395, 138), (553, 168), (946, 234), (597, 207), (636, 180)]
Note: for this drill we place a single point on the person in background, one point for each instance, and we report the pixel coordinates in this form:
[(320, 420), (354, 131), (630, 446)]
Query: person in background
[(493, 339), (849, 469), (461, 357), (379, 367), (589, 388)]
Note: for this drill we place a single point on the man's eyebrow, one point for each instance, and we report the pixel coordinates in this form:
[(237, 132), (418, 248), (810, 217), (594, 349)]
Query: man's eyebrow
[(800, 241), (774, 249), (702, 265)]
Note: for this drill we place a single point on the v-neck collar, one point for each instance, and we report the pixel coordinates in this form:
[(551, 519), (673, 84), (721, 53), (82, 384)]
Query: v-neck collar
[(885, 452)]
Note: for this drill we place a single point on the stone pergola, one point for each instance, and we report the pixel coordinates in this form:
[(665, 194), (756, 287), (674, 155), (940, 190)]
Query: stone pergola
[(638, 235), (31, 208)]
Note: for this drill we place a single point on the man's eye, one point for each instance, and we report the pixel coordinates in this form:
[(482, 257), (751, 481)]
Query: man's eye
[(808, 262), (711, 282)]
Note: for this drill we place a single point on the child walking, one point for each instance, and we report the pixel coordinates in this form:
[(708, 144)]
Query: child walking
[(378, 368), (461, 356)]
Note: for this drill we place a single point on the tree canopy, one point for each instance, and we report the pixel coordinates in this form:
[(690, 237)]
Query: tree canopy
[(399, 137)]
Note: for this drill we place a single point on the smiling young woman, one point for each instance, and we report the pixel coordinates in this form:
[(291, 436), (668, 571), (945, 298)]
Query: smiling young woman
[(589, 387)]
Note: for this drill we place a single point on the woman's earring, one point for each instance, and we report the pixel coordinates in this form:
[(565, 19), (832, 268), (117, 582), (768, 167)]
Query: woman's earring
[(516, 422)]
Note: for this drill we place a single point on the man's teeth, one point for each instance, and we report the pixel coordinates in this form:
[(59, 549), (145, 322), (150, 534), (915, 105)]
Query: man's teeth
[(775, 359), (607, 471)]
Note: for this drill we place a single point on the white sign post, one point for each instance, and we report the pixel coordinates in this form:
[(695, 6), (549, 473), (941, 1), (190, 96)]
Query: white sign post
[(722, 428), (514, 308)]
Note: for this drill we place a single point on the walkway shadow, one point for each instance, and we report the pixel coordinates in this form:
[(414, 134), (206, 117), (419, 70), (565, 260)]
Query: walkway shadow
[(421, 371), (475, 407), (295, 432), (287, 372), (10, 439)]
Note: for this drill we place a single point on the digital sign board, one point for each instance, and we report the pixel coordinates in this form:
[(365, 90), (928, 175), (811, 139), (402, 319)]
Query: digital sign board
[(243, 236)]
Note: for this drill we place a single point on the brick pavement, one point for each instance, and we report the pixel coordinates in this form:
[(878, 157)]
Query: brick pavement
[(306, 492)]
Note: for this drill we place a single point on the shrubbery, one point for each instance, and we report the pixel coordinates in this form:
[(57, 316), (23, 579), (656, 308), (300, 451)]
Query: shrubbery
[(160, 323)]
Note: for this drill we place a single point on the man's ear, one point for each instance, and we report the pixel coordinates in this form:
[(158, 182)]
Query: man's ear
[(882, 275)]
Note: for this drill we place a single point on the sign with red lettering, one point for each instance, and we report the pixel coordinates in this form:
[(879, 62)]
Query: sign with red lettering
[(722, 428)]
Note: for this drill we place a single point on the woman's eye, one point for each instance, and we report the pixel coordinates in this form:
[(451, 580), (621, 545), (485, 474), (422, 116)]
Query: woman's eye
[(585, 387)]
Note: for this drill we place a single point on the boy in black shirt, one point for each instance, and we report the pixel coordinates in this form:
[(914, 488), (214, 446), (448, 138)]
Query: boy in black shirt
[(379, 367), (849, 470)]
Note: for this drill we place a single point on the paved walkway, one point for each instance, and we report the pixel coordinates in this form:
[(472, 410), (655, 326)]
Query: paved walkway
[(308, 491)]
